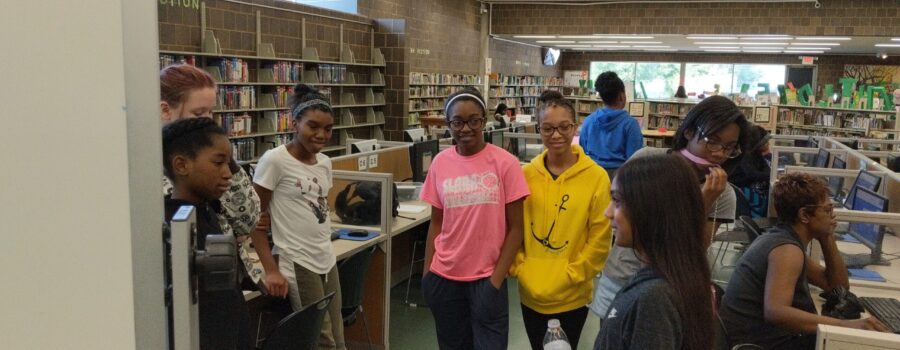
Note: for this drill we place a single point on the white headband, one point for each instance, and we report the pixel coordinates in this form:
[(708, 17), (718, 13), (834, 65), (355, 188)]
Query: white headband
[(450, 101)]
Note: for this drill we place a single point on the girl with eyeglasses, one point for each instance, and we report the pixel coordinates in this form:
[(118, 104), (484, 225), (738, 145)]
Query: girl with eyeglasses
[(566, 242), (476, 192), (710, 138)]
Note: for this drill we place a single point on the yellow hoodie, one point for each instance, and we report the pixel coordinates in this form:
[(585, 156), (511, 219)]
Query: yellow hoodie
[(556, 273)]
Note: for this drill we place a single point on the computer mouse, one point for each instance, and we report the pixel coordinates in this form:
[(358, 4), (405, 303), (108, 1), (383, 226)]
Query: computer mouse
[(358, 233)]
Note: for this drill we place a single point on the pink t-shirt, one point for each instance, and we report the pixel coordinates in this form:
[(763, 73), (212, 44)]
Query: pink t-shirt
[(473, 192)]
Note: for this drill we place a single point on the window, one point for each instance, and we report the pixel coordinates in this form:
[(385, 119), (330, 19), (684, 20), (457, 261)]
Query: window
[(660, 79), (700, 78), (348, 6), (753, 74)]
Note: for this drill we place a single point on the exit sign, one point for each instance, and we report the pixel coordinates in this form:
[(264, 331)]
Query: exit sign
[(807, 59)]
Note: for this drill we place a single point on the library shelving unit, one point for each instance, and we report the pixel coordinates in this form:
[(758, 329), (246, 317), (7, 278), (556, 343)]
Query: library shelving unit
[(253, 91), (584, 106), (520, 92), (428, 91), (839, 122), (662, 117)]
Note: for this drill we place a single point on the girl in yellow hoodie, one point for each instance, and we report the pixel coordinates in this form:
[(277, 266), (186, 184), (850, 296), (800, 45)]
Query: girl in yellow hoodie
[(567, 238)]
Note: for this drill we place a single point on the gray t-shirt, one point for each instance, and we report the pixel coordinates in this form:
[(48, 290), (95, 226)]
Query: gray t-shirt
[(623, 263)]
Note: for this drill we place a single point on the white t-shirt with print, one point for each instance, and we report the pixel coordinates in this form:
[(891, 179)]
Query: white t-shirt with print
[(301, 228)]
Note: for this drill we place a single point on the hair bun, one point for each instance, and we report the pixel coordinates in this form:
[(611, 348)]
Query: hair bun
[(303, 89), (548, 95)]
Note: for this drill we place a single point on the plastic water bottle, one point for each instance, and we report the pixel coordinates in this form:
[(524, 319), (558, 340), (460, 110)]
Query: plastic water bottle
[(555, 338)]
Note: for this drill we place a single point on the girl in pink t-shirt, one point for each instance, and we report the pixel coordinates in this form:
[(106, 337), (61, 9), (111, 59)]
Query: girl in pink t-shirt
[(476, 192)]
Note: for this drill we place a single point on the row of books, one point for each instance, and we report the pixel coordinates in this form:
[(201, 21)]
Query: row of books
[(233, 70), (413, 117), (235, 124), (837, 120), (434, 91), (244, 149), (275, 121), (168, 60), (432, 78), (678, 109), (236, 97), (287, 72), (282, 93), (500, 79), (671, 123), (516, 91), (332, 73), (516, 102), (431, 103)]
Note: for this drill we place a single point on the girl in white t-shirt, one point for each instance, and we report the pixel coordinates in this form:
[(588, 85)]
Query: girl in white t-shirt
[(293, 181)]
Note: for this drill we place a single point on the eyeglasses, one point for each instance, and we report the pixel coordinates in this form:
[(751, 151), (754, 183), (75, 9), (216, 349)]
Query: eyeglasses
[(473, 123), (563, 129), (732, 151), (828, 208)]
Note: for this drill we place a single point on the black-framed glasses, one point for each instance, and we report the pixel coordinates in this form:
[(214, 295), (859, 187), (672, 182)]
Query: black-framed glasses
[(563, 129), (732, 151), (473, 123)]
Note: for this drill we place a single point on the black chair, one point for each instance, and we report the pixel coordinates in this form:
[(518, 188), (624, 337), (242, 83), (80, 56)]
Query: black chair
[(352, 273), (752, 228), (299, 330)]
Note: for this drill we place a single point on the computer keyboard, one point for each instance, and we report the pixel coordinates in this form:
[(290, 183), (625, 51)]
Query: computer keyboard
[(886, 310)]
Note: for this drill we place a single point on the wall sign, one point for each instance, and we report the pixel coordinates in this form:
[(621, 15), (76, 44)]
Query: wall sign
[(191, 4)]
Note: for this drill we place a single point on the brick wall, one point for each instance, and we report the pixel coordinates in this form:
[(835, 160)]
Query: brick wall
[(516, 59), (390, 35), (835, 17), (830, 68)]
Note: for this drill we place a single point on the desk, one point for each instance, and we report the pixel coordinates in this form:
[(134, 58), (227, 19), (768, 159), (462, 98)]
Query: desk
[(891, 273), (657, 133)]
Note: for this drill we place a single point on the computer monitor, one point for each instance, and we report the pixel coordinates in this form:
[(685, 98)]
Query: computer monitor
[(821, 160), (837, 338), (494, 137), (870, 235), (864, 180), (364, 146), (893, 163), (414, 135), (440, 133), (836, 183), (420, 156)]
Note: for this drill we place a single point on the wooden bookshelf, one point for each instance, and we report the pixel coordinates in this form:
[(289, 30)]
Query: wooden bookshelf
[(428, 92), (837, 122), (253, 90)]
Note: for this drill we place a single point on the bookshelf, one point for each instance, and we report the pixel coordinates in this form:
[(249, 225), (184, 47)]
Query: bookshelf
[(584, 106), (252, 94), (519, 92), (839, 122), (428, 91)]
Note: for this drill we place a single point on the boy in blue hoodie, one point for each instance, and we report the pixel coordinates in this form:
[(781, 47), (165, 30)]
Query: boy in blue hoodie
[(610, 135)]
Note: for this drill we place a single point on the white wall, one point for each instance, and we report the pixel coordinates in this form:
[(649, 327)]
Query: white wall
[(68, 150)]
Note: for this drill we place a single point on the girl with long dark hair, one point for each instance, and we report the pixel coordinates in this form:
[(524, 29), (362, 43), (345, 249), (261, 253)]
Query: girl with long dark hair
[(666, 305)]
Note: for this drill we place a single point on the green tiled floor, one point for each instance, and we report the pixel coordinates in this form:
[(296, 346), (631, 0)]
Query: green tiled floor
[(413, 327)]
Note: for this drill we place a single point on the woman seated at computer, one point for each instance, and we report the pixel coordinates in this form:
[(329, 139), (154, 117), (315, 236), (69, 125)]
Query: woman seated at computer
[(768, 302)]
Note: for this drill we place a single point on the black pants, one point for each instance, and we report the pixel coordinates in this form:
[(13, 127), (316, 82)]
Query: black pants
[(468, 315), (536, 325), (224, 321)]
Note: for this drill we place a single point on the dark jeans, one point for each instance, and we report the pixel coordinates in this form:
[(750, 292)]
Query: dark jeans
[(536, 325), (468, 315)]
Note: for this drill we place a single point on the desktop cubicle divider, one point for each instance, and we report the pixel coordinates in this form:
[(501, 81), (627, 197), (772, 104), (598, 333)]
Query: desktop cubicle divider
[(376, 296), (524, 146), (392, 157)]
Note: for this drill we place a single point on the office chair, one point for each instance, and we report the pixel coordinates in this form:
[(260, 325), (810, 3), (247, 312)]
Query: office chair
[(352, 272), (419, 238), (299, 330), (752, 228)]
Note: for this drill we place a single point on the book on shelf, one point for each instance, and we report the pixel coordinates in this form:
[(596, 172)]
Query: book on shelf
[(230, 70), (282, 72), (435, 78), (235, 124), (236, 97), (332, 73), (244, 149), (166, 60)]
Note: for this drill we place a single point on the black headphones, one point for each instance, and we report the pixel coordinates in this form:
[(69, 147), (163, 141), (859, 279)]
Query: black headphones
[(365, 211)]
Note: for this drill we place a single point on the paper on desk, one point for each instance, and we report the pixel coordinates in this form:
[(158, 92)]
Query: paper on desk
[(865, 275), (411, 208)]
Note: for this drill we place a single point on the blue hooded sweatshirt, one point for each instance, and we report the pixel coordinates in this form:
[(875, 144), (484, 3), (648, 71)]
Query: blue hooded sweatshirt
[(610, 137)]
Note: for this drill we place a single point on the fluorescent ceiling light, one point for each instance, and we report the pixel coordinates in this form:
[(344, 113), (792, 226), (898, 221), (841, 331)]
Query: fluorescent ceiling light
[(534, 36), (722, 50), (816, 44), (895, 39), (829, 38), (762, 51), (764, 38), (555, 41), (598, 42), (622, 36), (573, 45), (703, 37), (642, 42), (793, 51), (762, 47), (720, 47), (809, 48), (665, 50), (887, 45), (651, 46), (738, 43), (612, 46), (576, 37)]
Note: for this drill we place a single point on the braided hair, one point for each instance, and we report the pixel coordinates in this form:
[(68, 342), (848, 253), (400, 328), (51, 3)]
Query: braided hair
[(550, 98), (308, 98), (187, 137)]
